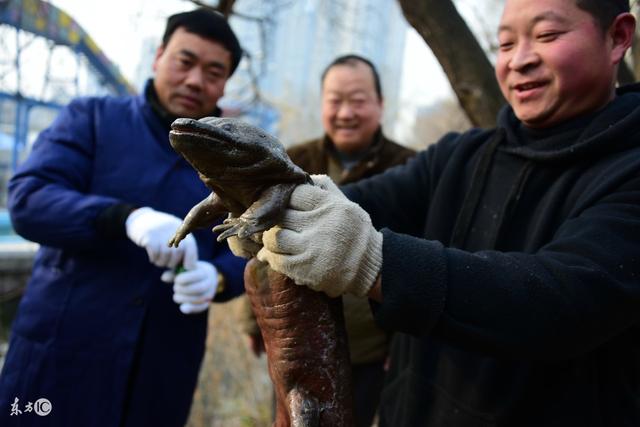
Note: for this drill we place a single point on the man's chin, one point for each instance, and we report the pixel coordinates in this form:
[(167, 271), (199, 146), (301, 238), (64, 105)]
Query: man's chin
[(189, 111), (346, 137), (186, 113), (350, 145)]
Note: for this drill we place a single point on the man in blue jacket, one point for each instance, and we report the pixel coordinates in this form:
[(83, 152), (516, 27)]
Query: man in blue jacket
[(111, 329), (508, 259)]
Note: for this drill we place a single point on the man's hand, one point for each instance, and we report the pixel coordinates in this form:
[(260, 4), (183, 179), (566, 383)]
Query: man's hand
[(195, 288), (325, 241), (152, 230)]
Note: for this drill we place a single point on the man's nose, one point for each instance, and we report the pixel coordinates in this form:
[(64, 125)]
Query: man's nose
[(523, 57), (344, 110), (194, 78)]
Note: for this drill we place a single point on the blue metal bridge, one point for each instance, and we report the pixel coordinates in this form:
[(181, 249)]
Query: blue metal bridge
[(46, 59)]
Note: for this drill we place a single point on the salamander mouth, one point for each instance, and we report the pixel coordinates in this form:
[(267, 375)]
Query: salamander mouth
[(183, 135), (190, 129)]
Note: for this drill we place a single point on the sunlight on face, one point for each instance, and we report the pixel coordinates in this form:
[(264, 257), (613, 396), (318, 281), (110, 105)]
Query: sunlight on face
[(554, 63)]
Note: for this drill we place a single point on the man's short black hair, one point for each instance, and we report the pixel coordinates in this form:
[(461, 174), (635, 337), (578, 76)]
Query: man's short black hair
[(352, 59), (604, 11), (208, 24)]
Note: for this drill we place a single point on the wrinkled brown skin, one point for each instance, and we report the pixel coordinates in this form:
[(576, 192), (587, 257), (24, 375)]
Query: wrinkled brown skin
[(306, 345), (252, 178)]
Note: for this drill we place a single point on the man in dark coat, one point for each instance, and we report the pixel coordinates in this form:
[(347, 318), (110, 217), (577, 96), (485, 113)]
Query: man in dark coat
[(111, 329), (353, 147), (508, 259)]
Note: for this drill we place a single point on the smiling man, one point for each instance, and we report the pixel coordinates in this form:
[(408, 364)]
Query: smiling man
[(547, 67), (506, 260), (110, 330)]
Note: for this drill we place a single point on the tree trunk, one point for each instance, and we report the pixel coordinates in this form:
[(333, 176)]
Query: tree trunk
[(225, 7), (466, 65)]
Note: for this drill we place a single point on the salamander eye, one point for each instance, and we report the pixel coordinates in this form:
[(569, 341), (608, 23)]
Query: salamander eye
[(228, 127)]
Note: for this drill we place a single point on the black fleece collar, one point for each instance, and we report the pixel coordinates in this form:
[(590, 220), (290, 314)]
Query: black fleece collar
[(613, 125)]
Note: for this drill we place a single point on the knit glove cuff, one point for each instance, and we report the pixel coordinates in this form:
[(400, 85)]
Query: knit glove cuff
[(369, 267)]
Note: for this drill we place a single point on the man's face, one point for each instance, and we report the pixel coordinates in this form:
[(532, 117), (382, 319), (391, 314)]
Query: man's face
[(554, 61), (351, 109), (190, 74)]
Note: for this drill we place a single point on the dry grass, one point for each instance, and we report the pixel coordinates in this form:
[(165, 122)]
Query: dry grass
[(234, 389)]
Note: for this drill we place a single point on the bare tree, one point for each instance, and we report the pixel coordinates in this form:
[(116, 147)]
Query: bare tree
[(460, 55), (434, 121), (225, 7), (249, 92)]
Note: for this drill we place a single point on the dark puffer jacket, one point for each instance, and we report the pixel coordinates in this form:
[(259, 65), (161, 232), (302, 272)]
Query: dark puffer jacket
[(97, 332)]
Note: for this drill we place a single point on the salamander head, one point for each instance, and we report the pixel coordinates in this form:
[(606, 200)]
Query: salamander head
[(212, 143)]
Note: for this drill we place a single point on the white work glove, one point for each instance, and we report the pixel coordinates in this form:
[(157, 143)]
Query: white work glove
[(152, 230), (193, 288), (325, 241)]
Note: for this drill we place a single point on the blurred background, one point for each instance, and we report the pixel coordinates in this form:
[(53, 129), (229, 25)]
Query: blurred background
[(435, 60)]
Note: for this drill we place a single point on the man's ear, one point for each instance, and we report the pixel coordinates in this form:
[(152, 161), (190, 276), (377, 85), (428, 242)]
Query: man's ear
[(159, 52), (621, 32)]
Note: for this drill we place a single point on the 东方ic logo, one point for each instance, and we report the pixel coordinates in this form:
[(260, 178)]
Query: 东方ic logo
[(42, 407)]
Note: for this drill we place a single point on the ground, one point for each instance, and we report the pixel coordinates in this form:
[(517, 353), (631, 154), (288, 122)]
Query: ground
[(234, 389)]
